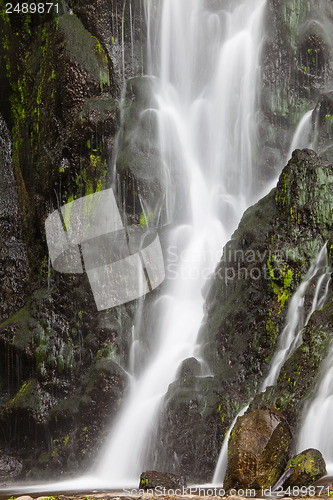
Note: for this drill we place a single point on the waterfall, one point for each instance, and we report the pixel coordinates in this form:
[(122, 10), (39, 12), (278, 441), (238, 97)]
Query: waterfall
[(206, 65), (291, 336), (221, 466), (316, 431), (318, 276), (302, 136)]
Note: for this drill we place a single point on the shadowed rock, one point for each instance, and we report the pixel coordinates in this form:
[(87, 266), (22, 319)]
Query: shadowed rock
[(153, 479)]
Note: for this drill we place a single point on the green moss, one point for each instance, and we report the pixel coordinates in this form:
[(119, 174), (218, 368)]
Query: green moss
[(84, 49), (144, 221), (282, 291)]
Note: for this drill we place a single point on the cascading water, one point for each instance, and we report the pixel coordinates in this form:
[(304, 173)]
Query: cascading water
[(319, 276), (291, 335), (303, 134), (316, 426), (206, 65)]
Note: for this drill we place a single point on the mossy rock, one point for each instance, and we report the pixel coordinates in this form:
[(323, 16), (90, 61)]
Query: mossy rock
[(260, 269), (308, 467), (84, 49), (154, 479), (298, 375), (258, 449)]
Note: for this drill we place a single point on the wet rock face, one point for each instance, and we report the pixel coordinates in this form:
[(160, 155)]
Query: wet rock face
[(323, 118), (13, 255), (61, 379), (258, 449), (261, 267), (59, 369), (297, 65), (308, 467), (138, 163), (121, 31)]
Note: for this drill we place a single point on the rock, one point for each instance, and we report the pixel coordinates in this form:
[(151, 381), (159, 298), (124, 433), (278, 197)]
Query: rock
[(258, 449), (154, 479), (326, 482), (298, 374), (10, 467), (121, 31), (283, 479), (60, 100), (13, 254), (295, 67), (138, 160), (308, 466), (245, 316), (323, 116)]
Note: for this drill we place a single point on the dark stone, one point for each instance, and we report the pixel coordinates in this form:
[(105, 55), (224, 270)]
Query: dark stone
[(121, 31), (10, 467), (14, 268), (154, 479), (295, 69), (308, 467), (323, 118), (59, 357), (138, 160), (258, 449)]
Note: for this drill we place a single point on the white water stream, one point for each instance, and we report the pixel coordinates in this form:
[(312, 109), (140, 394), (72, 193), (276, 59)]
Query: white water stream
[(316, 430), (303, 136), (318, 276), (206, 64), (291, 336)]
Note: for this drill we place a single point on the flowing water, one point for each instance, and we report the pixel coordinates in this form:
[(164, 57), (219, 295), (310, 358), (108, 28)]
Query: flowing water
[(316, 430), (303, 134), (206, 65), (318, 277), (298, 315)]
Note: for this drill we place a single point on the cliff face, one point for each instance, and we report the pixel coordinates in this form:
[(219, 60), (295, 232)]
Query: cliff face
[(60, 86), (62, 363), (295, 70)]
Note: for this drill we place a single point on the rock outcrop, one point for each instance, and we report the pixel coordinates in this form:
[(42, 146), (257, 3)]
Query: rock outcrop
[(59, 358), (246, 307)]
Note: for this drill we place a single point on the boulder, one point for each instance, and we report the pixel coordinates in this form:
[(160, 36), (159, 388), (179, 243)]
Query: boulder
[(153, 479), (258, 449), (308, 467)]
